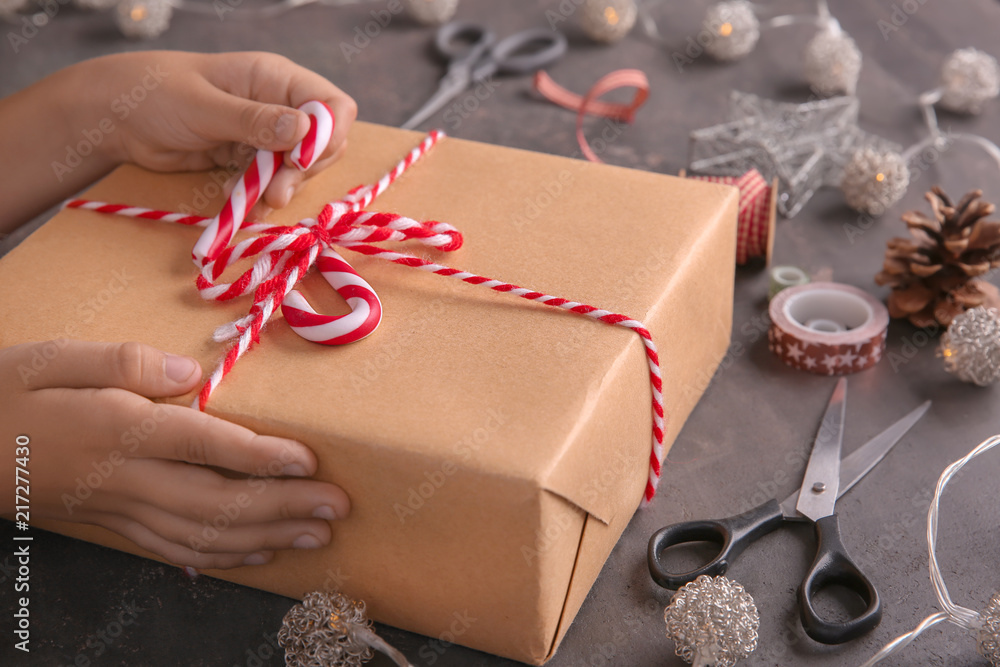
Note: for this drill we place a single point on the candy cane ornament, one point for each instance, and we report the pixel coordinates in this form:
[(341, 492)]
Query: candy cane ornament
[(366, 309)]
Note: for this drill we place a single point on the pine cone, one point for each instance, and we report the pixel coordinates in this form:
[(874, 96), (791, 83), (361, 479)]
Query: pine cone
[(933, 274)]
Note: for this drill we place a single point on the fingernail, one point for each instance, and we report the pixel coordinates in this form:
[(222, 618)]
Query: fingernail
[(255, 559), (294, 470), (289, 193), (325, 512), (178, 368), (306, 541), (285, 128)]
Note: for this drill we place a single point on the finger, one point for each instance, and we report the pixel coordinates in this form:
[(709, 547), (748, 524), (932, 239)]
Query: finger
[(176, 553), (189, 436), (135, 367), (273, 79), (221, 535), (199, 494), (288, 180)]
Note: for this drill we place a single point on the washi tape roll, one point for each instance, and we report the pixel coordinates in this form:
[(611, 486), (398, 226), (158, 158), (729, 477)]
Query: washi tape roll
[(827, 328)]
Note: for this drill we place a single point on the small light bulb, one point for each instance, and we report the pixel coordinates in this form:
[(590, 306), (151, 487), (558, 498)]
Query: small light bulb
[(726, 29), (138, 13), (611, 16), (880, 177)]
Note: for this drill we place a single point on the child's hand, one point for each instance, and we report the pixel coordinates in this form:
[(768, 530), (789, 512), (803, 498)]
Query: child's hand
[(196, 110), (102, 453)]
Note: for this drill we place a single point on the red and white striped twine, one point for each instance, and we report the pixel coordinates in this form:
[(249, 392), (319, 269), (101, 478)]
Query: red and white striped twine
[(285, 253)]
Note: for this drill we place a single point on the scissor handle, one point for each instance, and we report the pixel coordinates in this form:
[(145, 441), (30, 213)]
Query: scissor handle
[(733, 535), (529, 50), (833, 566), (464, 42)]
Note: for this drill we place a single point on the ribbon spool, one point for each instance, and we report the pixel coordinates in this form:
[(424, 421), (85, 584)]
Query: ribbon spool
[(827, 328), (756, 215)]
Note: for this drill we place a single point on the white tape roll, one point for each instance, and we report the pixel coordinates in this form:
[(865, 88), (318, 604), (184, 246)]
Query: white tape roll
[(827, 328)]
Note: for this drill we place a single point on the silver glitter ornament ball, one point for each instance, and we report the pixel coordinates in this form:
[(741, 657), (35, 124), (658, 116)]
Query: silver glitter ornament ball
[(96, 5), (874, 180), (971, 349), (989, 634), (143, 19), (832, 62), (734, 28), (712, 620), (321, 632), (431, 12), (969, 77), (607, 21)]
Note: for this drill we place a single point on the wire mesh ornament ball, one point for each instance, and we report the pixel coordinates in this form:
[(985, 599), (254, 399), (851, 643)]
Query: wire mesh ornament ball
[(832, 62), (431, 12), (734, 28), (321, 632), (143, 19), (969, 77), (607, 21), (96, 5), (971, 347), (874, 180), (713, 621), (989, 634)]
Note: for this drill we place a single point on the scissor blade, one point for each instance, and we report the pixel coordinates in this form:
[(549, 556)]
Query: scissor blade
[(452, 85), (818, 493), (860, 462)]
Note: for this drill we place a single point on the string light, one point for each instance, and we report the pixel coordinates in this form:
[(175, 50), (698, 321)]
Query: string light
[(983, 625)]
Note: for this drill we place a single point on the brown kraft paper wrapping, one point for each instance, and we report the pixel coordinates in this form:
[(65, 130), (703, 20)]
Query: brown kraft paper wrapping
[(494, 449)]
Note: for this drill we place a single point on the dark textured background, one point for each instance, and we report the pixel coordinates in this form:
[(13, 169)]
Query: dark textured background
[(755, 413)]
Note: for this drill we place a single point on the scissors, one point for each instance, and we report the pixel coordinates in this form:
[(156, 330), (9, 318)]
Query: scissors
[(475, 55), (827, 477)]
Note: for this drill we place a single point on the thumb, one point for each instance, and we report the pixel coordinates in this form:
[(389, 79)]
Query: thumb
[(273, 127), (135, 367)]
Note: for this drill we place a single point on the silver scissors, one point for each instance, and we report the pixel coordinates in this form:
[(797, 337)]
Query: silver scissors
[(475, 55), (827, 477)]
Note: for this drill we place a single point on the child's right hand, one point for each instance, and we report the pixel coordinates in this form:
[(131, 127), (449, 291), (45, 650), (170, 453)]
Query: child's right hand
[(102, 453)]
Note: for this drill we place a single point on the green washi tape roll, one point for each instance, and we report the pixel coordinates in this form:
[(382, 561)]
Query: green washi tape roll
[(785, 276)]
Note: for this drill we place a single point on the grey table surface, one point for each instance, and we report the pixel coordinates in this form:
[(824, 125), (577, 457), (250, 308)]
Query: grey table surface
[(756, 416)]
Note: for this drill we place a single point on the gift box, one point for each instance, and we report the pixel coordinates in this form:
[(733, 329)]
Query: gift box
[(493, 448)]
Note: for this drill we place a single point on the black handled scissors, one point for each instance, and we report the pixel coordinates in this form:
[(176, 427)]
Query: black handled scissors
[(475, 55), (827, 477)]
